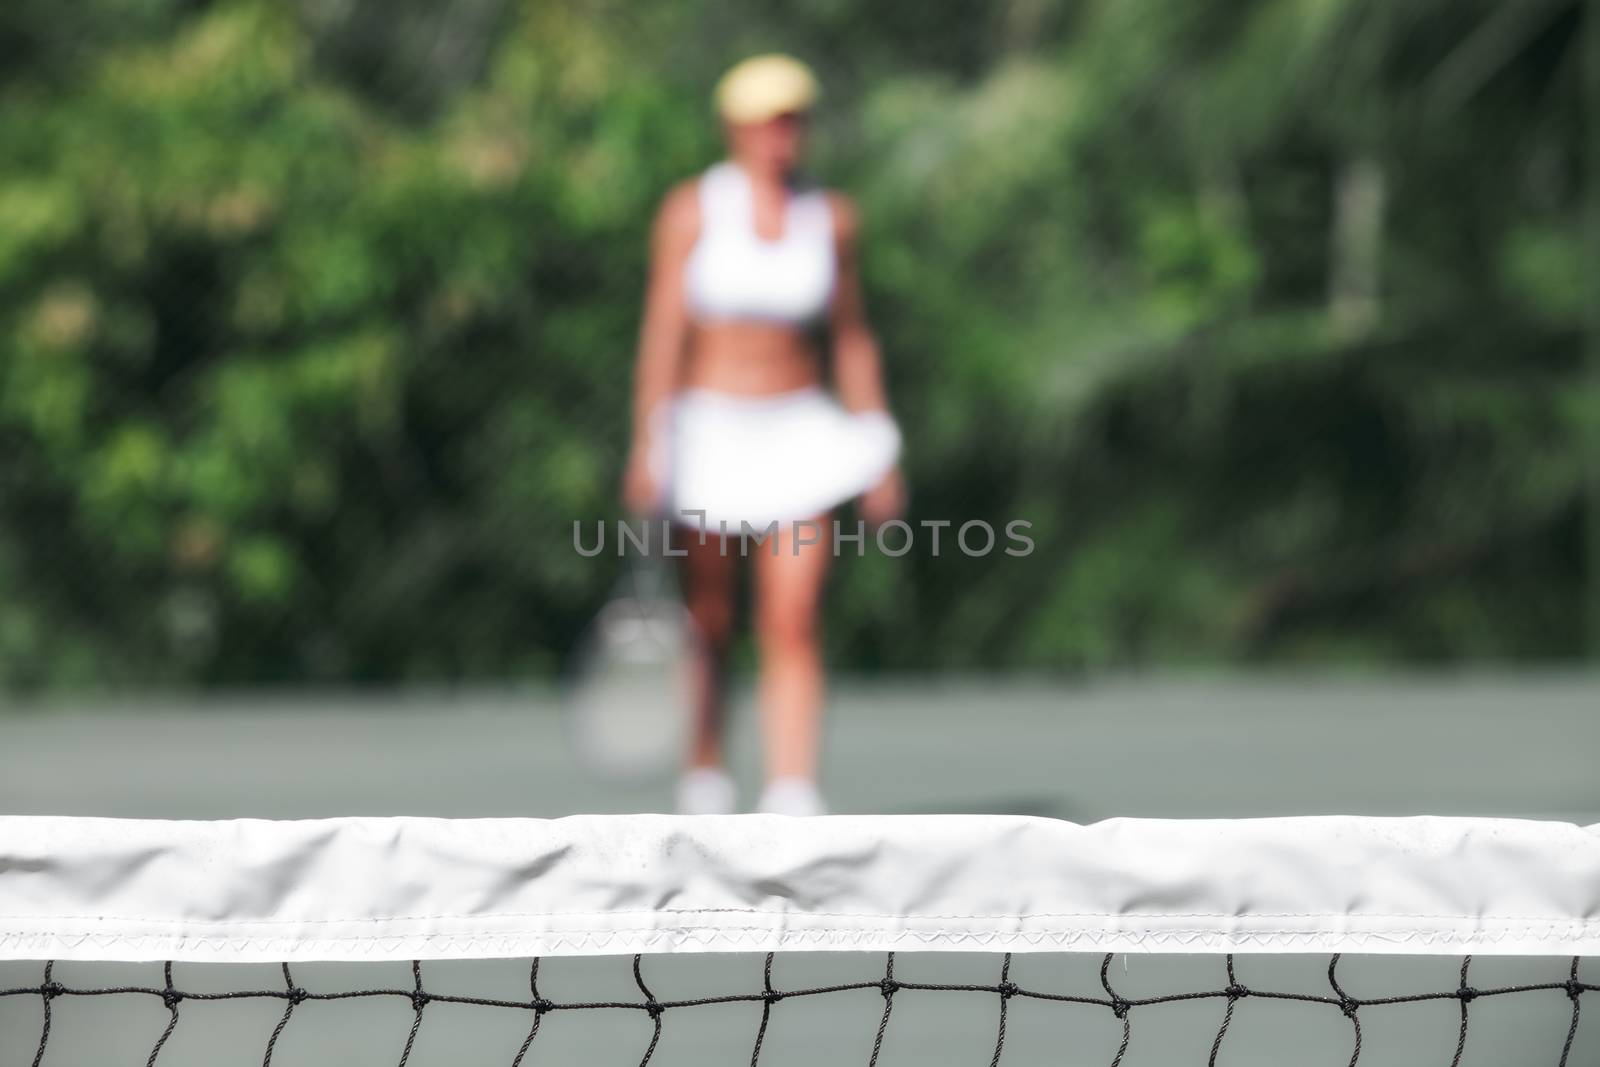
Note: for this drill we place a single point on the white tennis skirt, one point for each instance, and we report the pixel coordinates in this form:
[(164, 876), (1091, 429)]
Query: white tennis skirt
[(765, 459)]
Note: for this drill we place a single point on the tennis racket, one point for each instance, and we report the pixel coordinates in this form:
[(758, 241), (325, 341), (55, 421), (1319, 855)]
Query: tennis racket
[(626, 703)]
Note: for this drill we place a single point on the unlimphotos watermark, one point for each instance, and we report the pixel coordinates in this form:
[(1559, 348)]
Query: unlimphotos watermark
[(895, 538)]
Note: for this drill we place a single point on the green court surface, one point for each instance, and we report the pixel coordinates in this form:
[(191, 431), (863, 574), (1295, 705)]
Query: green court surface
[(1203, 747)]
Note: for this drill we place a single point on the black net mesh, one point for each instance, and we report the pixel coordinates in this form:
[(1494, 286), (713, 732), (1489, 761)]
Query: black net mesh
[(1550, 1035)]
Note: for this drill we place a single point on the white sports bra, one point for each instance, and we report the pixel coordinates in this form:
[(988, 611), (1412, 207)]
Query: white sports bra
[(733, 273)]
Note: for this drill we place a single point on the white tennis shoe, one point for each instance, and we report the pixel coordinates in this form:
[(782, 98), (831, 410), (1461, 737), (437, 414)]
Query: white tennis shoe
[(792, 796), (706, 791)]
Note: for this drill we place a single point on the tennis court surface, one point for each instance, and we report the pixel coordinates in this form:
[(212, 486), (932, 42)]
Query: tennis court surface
[(1347, 939)]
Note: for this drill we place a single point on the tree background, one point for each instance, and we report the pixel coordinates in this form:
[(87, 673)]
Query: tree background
[(316, 325)]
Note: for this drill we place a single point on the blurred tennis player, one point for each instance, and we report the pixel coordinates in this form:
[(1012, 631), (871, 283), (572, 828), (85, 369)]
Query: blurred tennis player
[(732, 424)]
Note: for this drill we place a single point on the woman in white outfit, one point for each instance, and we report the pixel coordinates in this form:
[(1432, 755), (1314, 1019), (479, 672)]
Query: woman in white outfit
[(733, 427)]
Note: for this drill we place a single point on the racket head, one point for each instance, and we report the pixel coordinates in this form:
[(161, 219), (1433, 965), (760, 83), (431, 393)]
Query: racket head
[(626, 705)]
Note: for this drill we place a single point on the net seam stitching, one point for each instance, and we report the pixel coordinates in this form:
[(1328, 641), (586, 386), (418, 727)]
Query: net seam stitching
[(1022, 916)]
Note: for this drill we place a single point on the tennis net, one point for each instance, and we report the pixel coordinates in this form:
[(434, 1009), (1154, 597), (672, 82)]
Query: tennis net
[(656, 940)]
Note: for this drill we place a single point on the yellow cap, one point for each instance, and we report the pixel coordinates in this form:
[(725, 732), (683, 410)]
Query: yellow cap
[(764, 87)]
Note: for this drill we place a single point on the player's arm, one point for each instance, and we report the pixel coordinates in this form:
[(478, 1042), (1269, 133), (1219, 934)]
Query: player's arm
[(857, 365), (662, 336)]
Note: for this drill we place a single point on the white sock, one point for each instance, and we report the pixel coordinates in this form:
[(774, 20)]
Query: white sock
[(792, 796), (706, 791)]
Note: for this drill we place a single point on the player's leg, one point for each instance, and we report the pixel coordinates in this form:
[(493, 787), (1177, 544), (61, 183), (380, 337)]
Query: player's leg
[(709, 580), (789, 588)]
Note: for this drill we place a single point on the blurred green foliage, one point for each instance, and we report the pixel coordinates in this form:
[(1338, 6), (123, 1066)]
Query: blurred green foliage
[(316, 324)]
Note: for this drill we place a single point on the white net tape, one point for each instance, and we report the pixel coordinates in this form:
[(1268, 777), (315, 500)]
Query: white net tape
[(409, 888)]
